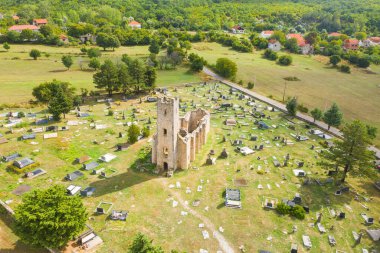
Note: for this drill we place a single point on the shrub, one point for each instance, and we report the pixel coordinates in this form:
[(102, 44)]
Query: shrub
[(270, 55), (21, 115), (282, 208), (133, 133), (240, 82), (285, 60), (345, 68), (302, 108), (298, 212), (145, 132), (251, 85), (110, 112), (363, 62), (335, 59)]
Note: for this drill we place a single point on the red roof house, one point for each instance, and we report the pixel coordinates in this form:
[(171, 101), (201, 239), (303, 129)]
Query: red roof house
[(134, 24), (40, 21), (300, 40), (351, 44), (375, 40), (266, 34), (335, 34), (20, 28)]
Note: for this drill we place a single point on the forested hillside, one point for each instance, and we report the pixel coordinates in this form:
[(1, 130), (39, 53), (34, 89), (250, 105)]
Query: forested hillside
[(347, 16)]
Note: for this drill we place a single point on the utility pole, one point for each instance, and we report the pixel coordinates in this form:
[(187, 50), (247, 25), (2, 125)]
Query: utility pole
[(283, 95)]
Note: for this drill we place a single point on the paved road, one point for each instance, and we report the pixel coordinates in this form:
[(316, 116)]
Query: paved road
[(334, 131)]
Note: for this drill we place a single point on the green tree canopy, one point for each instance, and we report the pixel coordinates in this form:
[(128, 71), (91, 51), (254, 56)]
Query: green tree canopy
[(94, 63), (105, 41), (133, 133), (317, 114), (351, 154), (285, 60), (333, 116), (226, 68), (93, 52), (141, 244), (35, 53), (335, 59), (107, 77), (49, 218), (67, 61), (46, 91), (6, 46), (291, 106), (61, 103)]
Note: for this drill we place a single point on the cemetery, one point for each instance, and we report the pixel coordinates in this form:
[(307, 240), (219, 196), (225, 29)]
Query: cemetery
[(253, 159)]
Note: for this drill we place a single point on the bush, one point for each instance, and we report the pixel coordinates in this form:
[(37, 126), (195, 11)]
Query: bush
[(363, 62), (21, 115), (282, 208), (285, 60), (298, 212), (133, 133), (110, 112), (302, 108), (251, 85), (145, 132), (270, 55), (345, 68), (226, 68)]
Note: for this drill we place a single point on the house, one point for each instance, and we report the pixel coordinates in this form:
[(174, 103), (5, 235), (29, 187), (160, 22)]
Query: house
[(237, 29), (87, 37), (266, 34), (335, 34), (40, 21), (22, 163), (63, 38), (274, 45), (134, 25), (304, 47), (20, 28), (351, 44), (233, 198), (370, 42)]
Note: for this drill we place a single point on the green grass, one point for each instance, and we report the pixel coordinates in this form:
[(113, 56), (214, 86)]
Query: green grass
[(357, 94), (146, 196), (19, 76)]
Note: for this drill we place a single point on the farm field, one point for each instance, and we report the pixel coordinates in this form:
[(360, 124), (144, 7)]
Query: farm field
[(19, 73), (357, 94), (149, 198)]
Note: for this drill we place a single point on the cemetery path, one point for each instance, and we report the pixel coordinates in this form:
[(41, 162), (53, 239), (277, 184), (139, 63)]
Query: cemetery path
[(280, 106), (223, 243)]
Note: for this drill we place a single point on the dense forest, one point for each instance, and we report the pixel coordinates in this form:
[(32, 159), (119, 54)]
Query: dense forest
[(347, 16)]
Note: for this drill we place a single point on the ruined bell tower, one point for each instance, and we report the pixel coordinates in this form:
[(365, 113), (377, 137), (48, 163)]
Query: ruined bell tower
[(165, 150)]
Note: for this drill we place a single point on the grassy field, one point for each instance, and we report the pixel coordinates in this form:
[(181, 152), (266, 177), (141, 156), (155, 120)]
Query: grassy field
[(19, 73), (357, 94), (148, 197)]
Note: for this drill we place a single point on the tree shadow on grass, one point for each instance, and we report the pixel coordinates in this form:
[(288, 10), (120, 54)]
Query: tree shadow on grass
[(58, 70), (139, 172), (18, 246)]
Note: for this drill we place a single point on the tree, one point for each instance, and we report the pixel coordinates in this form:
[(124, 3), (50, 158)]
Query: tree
[(93, 52), (141, 244), (35, 53), (154, 47), (67, 61), (133, 133), (150, 77), (360, 35), (270, 54), (46, 91), (137, 71), (292, 45), (285, 60), (363, 62), (49, 218), (61, 103), (124, 78), (312, 38), (145, 132), (226, 68), (6, 46), (317, 114), (291, 106), (333, 116), (335, 59), (107, 77), (196, 62), (371, 130), (107, 40), (352, 152), (345, 68), (94, 63)]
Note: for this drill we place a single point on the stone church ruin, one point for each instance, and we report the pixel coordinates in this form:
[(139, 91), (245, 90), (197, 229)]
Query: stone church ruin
[(178, 139)]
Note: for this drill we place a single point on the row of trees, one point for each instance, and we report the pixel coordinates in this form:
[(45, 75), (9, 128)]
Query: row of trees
[(129, 76)]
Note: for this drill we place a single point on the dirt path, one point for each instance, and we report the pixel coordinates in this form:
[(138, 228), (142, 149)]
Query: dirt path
[(223, 243)]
